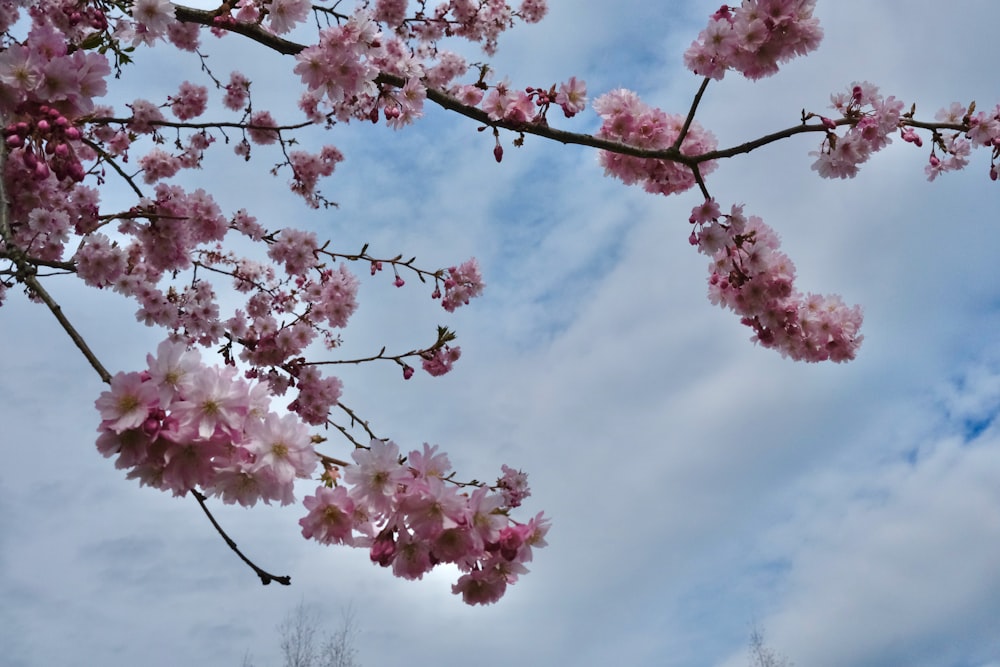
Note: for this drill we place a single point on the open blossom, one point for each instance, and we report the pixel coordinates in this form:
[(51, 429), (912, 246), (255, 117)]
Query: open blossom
[(282, 445), (284, 15), (128, 403), (330, 518), (572, 96), (155, 16)]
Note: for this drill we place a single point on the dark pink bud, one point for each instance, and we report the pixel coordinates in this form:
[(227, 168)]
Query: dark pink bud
[(498, 152), (14, 141), (383, 549), (43, 126), (151, 427), (407, 372), (72, 133), (76, 172)]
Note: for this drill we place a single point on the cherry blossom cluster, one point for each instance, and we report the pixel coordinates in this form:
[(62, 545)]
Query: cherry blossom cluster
[(182, 424), (412, 517), (479, 21), (461, 283), (531, 105), (341, 70), (752, 277), (629, 120), (754, 38), (984, 131), (872, 120)]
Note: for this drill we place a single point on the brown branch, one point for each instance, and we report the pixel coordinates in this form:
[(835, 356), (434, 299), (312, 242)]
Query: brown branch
[(26, 271), (265, 576), (445, 101)]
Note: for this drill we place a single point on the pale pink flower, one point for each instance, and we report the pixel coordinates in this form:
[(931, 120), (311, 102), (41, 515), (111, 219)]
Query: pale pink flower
[(375, 477), (284, 15), (214, 400), (128, 402), (283, 445), (572, 96), (480, 587), (330, 517), (155, 16)]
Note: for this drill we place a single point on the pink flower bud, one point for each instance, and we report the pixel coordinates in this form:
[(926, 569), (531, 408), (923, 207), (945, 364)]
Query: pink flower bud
[(498, 152)]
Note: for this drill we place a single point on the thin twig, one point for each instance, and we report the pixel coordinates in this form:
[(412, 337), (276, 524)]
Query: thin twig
[(265, 576), (690, 116)]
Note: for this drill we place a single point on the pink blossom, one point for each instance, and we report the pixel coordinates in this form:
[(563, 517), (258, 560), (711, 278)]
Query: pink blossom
[(237, 91), (750, 276), (513, 486), (440, 361), (630, 121), (128, 402), (754, 38), (258, 121), (462, 284), (480, 587), (376, 475), (190, 101), (214, 401), (572, 96), (295, 249), (284, 15), (283, 445), (330, 517), (154, 15)]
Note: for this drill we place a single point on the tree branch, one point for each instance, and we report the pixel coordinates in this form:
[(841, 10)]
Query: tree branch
[(442, 99), (265, 577), (25, 274)]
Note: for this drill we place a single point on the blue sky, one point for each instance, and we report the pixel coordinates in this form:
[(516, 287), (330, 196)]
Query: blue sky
[(697, 484)]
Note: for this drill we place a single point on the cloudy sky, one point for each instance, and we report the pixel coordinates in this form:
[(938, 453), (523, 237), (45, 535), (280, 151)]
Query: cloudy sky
[(698, 485)]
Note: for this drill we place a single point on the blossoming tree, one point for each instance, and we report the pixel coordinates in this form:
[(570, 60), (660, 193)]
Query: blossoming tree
[(245, 426)]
